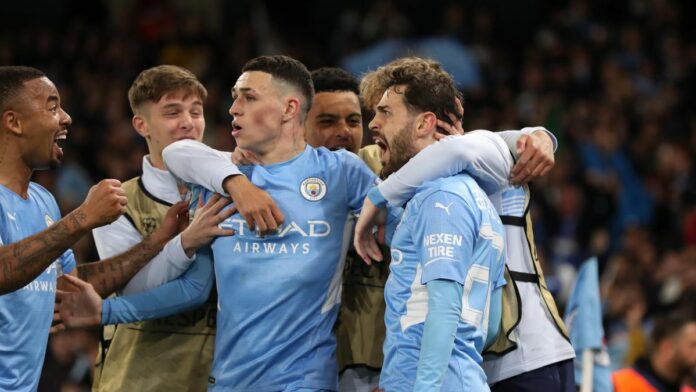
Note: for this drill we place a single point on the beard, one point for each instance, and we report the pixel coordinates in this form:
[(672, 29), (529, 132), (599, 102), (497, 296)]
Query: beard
[(401, 150)]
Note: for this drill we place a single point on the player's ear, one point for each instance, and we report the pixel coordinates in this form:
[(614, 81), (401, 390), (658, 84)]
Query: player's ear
[(11, 120), (292, 108), (140, 126), (426, 124)]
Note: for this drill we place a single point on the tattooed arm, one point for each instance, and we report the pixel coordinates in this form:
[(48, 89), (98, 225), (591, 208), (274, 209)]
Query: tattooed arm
[(113, 273), (22, 261)]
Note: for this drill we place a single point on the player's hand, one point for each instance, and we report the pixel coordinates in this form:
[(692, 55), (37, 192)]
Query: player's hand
[(175, 221), (81, 306), (457, 128), (364, 240), (256, 206), (241, 156), (377, 389), (104, 203), (205, 225), (535, 160)]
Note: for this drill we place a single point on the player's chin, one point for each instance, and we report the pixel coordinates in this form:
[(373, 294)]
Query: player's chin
[(55, 161)]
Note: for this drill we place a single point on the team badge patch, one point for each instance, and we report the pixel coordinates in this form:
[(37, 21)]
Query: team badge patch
[(49, 221), (313, 189)]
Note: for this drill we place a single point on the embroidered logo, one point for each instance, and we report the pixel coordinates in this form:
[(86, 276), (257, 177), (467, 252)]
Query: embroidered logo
[(313, 189), (444, 207), (149, 224)]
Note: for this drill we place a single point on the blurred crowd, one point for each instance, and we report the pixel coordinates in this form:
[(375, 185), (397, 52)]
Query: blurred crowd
[(612, 80)]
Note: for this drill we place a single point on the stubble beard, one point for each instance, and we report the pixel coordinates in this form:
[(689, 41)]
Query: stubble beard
[(401, 150)]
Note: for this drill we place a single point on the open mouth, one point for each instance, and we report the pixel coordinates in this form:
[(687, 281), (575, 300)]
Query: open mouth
[(236, 129), (380, 143), (59, 140)]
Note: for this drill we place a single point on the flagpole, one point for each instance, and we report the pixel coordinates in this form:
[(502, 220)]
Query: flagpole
[(587, 368)]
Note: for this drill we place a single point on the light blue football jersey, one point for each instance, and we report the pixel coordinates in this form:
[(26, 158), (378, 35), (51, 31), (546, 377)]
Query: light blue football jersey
[(449, 230), (25, 314), (279, 295)]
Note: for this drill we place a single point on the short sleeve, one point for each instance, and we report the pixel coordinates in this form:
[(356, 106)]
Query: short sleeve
[(445, 235)]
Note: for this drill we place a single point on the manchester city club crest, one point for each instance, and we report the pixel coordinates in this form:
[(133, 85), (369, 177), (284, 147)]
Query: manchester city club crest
[(49, 221), (313, 189)]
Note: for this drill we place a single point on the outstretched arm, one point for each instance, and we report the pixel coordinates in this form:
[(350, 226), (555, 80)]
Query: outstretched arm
[(84, 307), (113, 273), (22, 261), (484, 155)]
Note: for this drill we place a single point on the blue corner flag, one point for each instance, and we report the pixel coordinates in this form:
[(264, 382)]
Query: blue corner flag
[(584, 320)]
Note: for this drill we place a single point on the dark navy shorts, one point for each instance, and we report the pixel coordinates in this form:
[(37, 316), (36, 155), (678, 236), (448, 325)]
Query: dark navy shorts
[(556, 377)]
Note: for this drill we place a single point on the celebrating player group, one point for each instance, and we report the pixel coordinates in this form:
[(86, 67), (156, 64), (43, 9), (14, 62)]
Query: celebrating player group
[(305, 259)]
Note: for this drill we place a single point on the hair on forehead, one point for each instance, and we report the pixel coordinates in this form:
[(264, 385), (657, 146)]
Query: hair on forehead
[(426, 86), (374, 84), (330, 79), (154, 83), (12, 79), (288, 71)]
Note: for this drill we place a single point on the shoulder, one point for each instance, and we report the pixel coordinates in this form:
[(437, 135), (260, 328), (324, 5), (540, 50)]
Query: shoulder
[(39, 189), (42, 193), (338, 158), (461, 185), (131, 185)]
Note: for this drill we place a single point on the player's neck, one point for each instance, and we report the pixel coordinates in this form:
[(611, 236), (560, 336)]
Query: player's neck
[(15, 174), (288, 145), (156, 160)]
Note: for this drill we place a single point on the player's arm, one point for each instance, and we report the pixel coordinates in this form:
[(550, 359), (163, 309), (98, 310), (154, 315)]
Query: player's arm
[(444, 233), (171, 262), (84, 307), (482, 154), (533, 149), (439, 331), (177, 255), (196, 163), (22, 261), (113, 273)]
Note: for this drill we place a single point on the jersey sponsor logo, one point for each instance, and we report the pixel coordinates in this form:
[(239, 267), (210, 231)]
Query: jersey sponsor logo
[(313, 228), (49, 221), (444, 207), (310, 229), (12, 215), (313, 189), (440, 246), (292, 248), (46, 282)]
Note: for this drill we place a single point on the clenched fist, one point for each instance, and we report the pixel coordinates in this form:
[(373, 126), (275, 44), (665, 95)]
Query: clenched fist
[(104, 203)]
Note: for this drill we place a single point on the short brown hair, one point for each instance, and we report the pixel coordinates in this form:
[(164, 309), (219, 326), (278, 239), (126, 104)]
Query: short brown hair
[(428, 86), (154, 83), (288, 70)]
